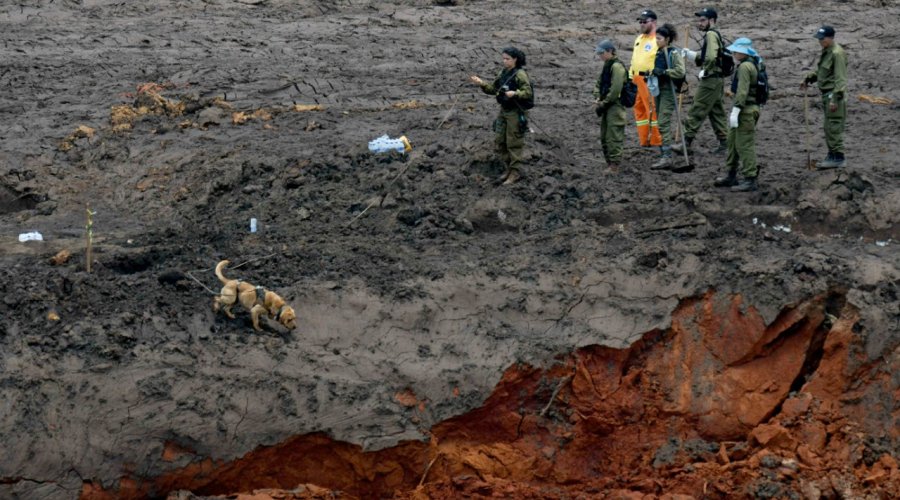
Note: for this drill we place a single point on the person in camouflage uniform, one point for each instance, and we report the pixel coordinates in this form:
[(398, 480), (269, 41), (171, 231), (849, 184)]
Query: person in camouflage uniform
[(743, 118), (606, 93), (831, 77), (708, 100), (512, 87), (669, 71)]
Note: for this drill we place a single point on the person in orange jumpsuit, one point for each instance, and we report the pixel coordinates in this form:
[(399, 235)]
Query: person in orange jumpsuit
[(643, 57)]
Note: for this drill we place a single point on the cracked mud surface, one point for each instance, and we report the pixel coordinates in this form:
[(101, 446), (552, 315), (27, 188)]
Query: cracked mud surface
[(432, 292)]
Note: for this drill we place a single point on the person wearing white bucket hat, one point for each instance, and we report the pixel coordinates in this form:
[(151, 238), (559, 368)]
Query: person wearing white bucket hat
[(742, 121)]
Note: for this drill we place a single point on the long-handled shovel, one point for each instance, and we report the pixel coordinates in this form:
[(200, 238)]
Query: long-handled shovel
[(809, 163), (687, 160)]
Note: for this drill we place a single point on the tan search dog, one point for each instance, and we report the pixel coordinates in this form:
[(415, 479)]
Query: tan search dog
[(255, 299)]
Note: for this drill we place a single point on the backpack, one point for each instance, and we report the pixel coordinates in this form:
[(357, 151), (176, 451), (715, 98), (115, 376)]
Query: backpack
[(628, 94), (762, 82), (759, 89), (723, 58), (528, 103), (629, 89)]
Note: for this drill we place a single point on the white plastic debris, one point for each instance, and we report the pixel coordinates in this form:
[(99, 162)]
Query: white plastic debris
[(253, 224), (384, 144), (755, 220), (32, 236), (779, 227), (882, 243)]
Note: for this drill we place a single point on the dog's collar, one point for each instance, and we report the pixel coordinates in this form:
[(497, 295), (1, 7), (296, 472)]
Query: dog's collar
[(278, 314)]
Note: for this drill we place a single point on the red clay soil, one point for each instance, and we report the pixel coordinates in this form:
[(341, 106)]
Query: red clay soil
[(720, 405)]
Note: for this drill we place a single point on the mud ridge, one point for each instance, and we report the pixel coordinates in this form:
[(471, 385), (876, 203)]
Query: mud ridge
[(607, 421)]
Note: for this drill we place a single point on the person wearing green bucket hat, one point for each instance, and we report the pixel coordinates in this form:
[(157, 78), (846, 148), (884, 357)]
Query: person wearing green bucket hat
[(742, 121)]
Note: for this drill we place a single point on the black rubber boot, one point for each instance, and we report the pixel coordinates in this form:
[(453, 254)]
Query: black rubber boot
[(746, 184), (830, 161), (664, 162), (722, 148), (726, 180), (677, 146), (838, 160)]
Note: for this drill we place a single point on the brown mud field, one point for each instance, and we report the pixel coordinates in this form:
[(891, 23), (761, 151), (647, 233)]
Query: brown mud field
[(579, 334)]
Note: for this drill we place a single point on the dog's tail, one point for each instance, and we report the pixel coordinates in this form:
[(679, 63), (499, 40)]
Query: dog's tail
[(219, 267)]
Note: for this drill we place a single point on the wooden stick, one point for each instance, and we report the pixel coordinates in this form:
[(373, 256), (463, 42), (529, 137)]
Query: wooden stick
[(447, 115), (383, 195), (559, 386), (809, 165), (427, 468), (89, 233)]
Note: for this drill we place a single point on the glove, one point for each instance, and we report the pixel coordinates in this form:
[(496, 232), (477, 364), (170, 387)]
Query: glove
[(600, 109), (701, 74), (659, 72), (733, 119), (688, 53)]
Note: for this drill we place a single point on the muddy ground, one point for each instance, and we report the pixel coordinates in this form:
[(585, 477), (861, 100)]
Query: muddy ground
[(445, 281)]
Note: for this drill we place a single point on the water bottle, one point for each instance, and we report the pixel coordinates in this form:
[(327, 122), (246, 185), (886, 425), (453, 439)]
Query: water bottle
[(253, 224), (384, 144)]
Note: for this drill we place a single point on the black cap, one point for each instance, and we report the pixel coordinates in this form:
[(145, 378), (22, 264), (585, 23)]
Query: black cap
[(647, 14), (824, 32), (707, 13)]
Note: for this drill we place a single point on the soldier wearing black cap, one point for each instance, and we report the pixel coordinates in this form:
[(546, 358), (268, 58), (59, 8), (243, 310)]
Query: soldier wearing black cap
[(708, 100), (831, 77), (643, 56)]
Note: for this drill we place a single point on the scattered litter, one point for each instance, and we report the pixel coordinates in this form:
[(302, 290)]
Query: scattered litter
[(413, 104), (52, 316), (308, 107), (776, 227), (501, 215), (61, 257), (883, 243), (384, 144), (253, 224), (32, 236)]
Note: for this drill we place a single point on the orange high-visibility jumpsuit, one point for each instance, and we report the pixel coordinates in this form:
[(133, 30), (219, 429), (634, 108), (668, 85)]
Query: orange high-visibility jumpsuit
[(643, 57)]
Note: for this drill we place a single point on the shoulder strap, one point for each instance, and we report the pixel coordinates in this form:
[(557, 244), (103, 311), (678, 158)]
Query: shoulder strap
[(510, 77)]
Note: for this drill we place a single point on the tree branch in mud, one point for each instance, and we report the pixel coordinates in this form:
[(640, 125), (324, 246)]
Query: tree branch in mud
[(383, 194), (565, 380)]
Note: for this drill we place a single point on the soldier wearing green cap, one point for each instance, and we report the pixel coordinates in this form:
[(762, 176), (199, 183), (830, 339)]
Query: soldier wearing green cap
[(831, 77)]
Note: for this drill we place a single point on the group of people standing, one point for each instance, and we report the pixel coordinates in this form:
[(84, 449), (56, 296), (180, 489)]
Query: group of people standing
[(658, 70)]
